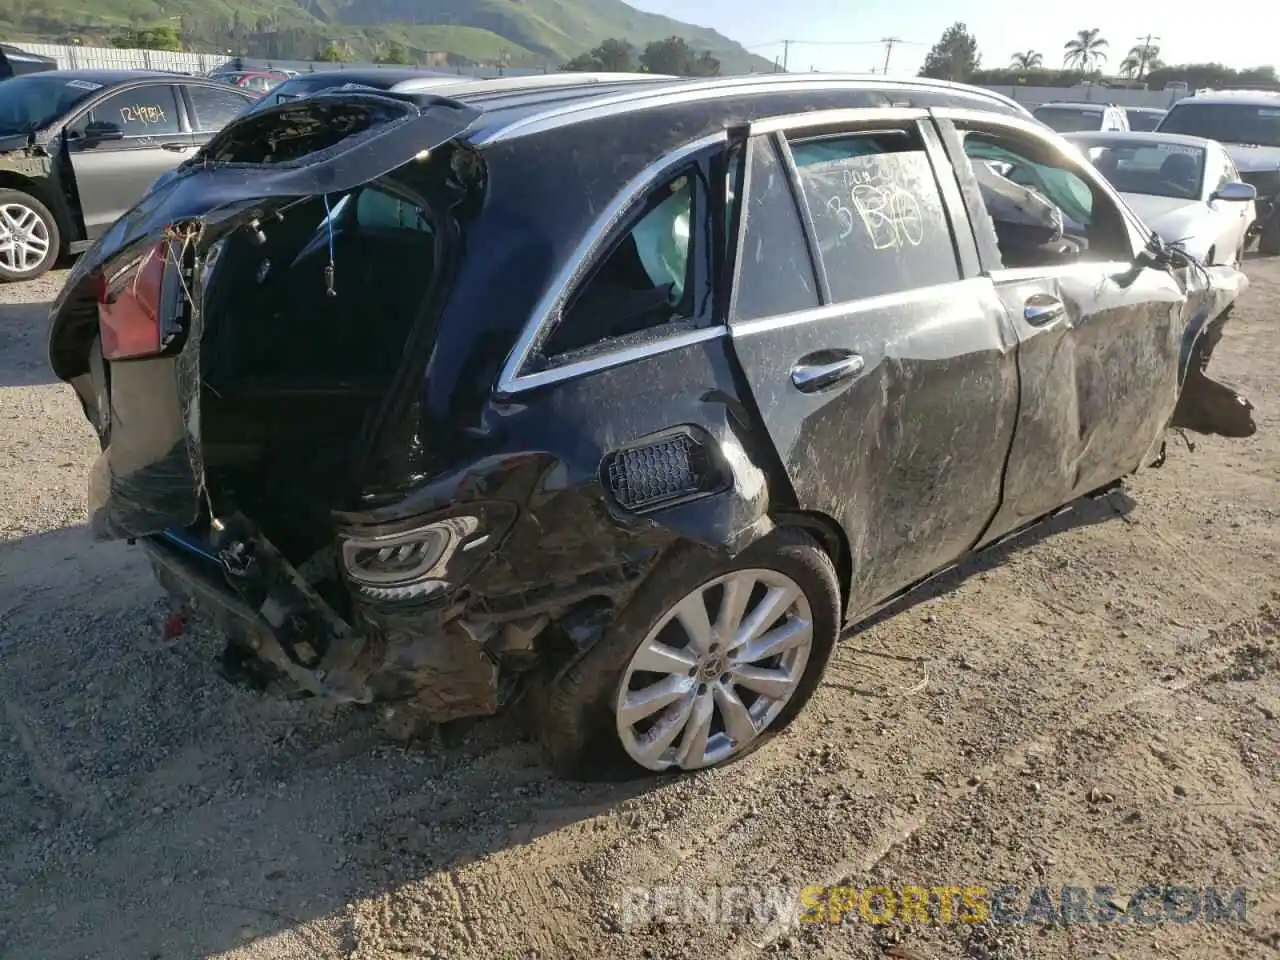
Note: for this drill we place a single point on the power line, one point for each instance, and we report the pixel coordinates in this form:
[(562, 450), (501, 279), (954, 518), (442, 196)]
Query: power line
[(832, 43)]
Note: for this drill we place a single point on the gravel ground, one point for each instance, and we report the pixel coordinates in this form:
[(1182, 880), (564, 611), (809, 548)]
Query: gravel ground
[(1096, 703)]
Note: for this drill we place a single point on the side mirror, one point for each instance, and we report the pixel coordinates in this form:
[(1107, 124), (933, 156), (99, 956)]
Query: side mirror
[(1235, 192), (101, 130)]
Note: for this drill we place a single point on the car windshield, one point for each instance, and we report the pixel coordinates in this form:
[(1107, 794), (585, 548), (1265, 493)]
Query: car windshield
[(31, 102), (1069, 119), (1246, 123), (1143, 121), (1148, 166)]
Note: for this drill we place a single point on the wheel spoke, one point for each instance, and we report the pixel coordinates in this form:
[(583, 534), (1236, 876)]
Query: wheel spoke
[(774, 684), (663, 733), (640, 704), (8, 218), (737, 719), (657, 657), (693, 747), (692, 614), (789, 635), (733, 602), (766, 613)]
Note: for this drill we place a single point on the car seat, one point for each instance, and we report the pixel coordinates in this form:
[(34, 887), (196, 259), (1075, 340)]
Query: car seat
[(1181, 170)]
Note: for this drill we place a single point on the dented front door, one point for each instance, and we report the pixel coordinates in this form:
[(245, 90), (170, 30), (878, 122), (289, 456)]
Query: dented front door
[(1098, 360), (1099, 334), (891, 412)]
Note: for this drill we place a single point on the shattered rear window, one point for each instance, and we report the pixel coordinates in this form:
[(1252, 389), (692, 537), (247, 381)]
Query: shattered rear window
[(302, 130)]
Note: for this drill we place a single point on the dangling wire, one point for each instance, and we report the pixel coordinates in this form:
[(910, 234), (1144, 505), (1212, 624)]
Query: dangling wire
[(329, 269)]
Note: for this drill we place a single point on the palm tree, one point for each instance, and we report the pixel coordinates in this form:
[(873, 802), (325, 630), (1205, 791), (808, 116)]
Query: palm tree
[(1130, 66), (1142, 59), (1086, 52), (1027, 60)]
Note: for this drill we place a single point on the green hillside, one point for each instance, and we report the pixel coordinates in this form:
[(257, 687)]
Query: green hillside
[(519, 32)]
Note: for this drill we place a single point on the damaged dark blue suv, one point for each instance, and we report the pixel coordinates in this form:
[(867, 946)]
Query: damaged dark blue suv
[(622, 402)]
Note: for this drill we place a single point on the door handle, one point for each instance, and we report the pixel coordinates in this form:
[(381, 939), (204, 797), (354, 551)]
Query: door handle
[(1042, 309), (176, 147), (811, 377)]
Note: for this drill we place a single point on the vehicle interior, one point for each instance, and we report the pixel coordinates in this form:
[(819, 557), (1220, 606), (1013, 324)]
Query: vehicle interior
[(1155, 170), (285, 397), (1073, 227), (645, 281)]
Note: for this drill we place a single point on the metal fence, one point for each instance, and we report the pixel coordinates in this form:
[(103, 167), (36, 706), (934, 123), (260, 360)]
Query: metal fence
[(73, 57)]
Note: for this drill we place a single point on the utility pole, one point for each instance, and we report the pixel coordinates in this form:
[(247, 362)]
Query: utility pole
[(888, 51), (786, 54), (1146, 53)]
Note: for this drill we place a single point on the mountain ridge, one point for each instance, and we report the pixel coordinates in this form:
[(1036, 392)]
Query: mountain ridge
[(544, 33)]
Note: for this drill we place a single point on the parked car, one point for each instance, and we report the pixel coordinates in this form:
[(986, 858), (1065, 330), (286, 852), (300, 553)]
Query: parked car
[(621, 397), (258, 81), (1185, 188), (1144, 119), (79, 147), (1247, 123), (1068, 116)]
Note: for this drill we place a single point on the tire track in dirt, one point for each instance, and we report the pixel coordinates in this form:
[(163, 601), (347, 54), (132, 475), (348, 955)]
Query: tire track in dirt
[(1238, 633)]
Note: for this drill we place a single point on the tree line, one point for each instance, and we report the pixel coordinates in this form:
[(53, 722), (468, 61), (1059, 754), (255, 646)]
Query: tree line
[(1084, 57), (670, 56)]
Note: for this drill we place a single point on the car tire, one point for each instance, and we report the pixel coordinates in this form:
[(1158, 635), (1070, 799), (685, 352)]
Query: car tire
[(39, 236), (582, 726), (1269, 241)]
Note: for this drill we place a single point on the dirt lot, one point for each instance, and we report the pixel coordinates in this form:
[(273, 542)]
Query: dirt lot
[(1097, 704)]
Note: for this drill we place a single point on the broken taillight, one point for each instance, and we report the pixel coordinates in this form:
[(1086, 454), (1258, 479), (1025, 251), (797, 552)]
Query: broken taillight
[(131, 305)]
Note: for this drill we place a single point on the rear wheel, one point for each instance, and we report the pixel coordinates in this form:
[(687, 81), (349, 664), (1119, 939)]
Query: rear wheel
[(708, 661), (29, 237)]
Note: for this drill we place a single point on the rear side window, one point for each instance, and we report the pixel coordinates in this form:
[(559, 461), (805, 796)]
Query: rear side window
[(877, 212), (775, 272), (214, 107), (647, 279), (1070, 119)]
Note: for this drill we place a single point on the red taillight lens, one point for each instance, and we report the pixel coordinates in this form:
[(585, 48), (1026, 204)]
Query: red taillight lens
[(130, 307)]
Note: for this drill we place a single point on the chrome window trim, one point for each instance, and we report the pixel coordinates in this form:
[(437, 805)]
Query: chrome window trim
[(548, 308), (690, 91), (607, 359), (800, 123), (850, 308)]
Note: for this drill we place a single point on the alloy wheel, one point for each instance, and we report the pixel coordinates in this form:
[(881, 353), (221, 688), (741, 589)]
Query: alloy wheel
[(715, 672), (24, 238)]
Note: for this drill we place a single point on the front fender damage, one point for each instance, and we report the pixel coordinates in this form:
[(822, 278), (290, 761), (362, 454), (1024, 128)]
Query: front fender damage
[(1206, 405)]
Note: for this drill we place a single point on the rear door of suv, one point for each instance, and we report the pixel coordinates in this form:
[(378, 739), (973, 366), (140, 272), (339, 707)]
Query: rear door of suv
[(881, 363)]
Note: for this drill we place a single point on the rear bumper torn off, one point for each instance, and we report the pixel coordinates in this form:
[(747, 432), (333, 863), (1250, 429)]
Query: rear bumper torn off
[(432, 664)]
